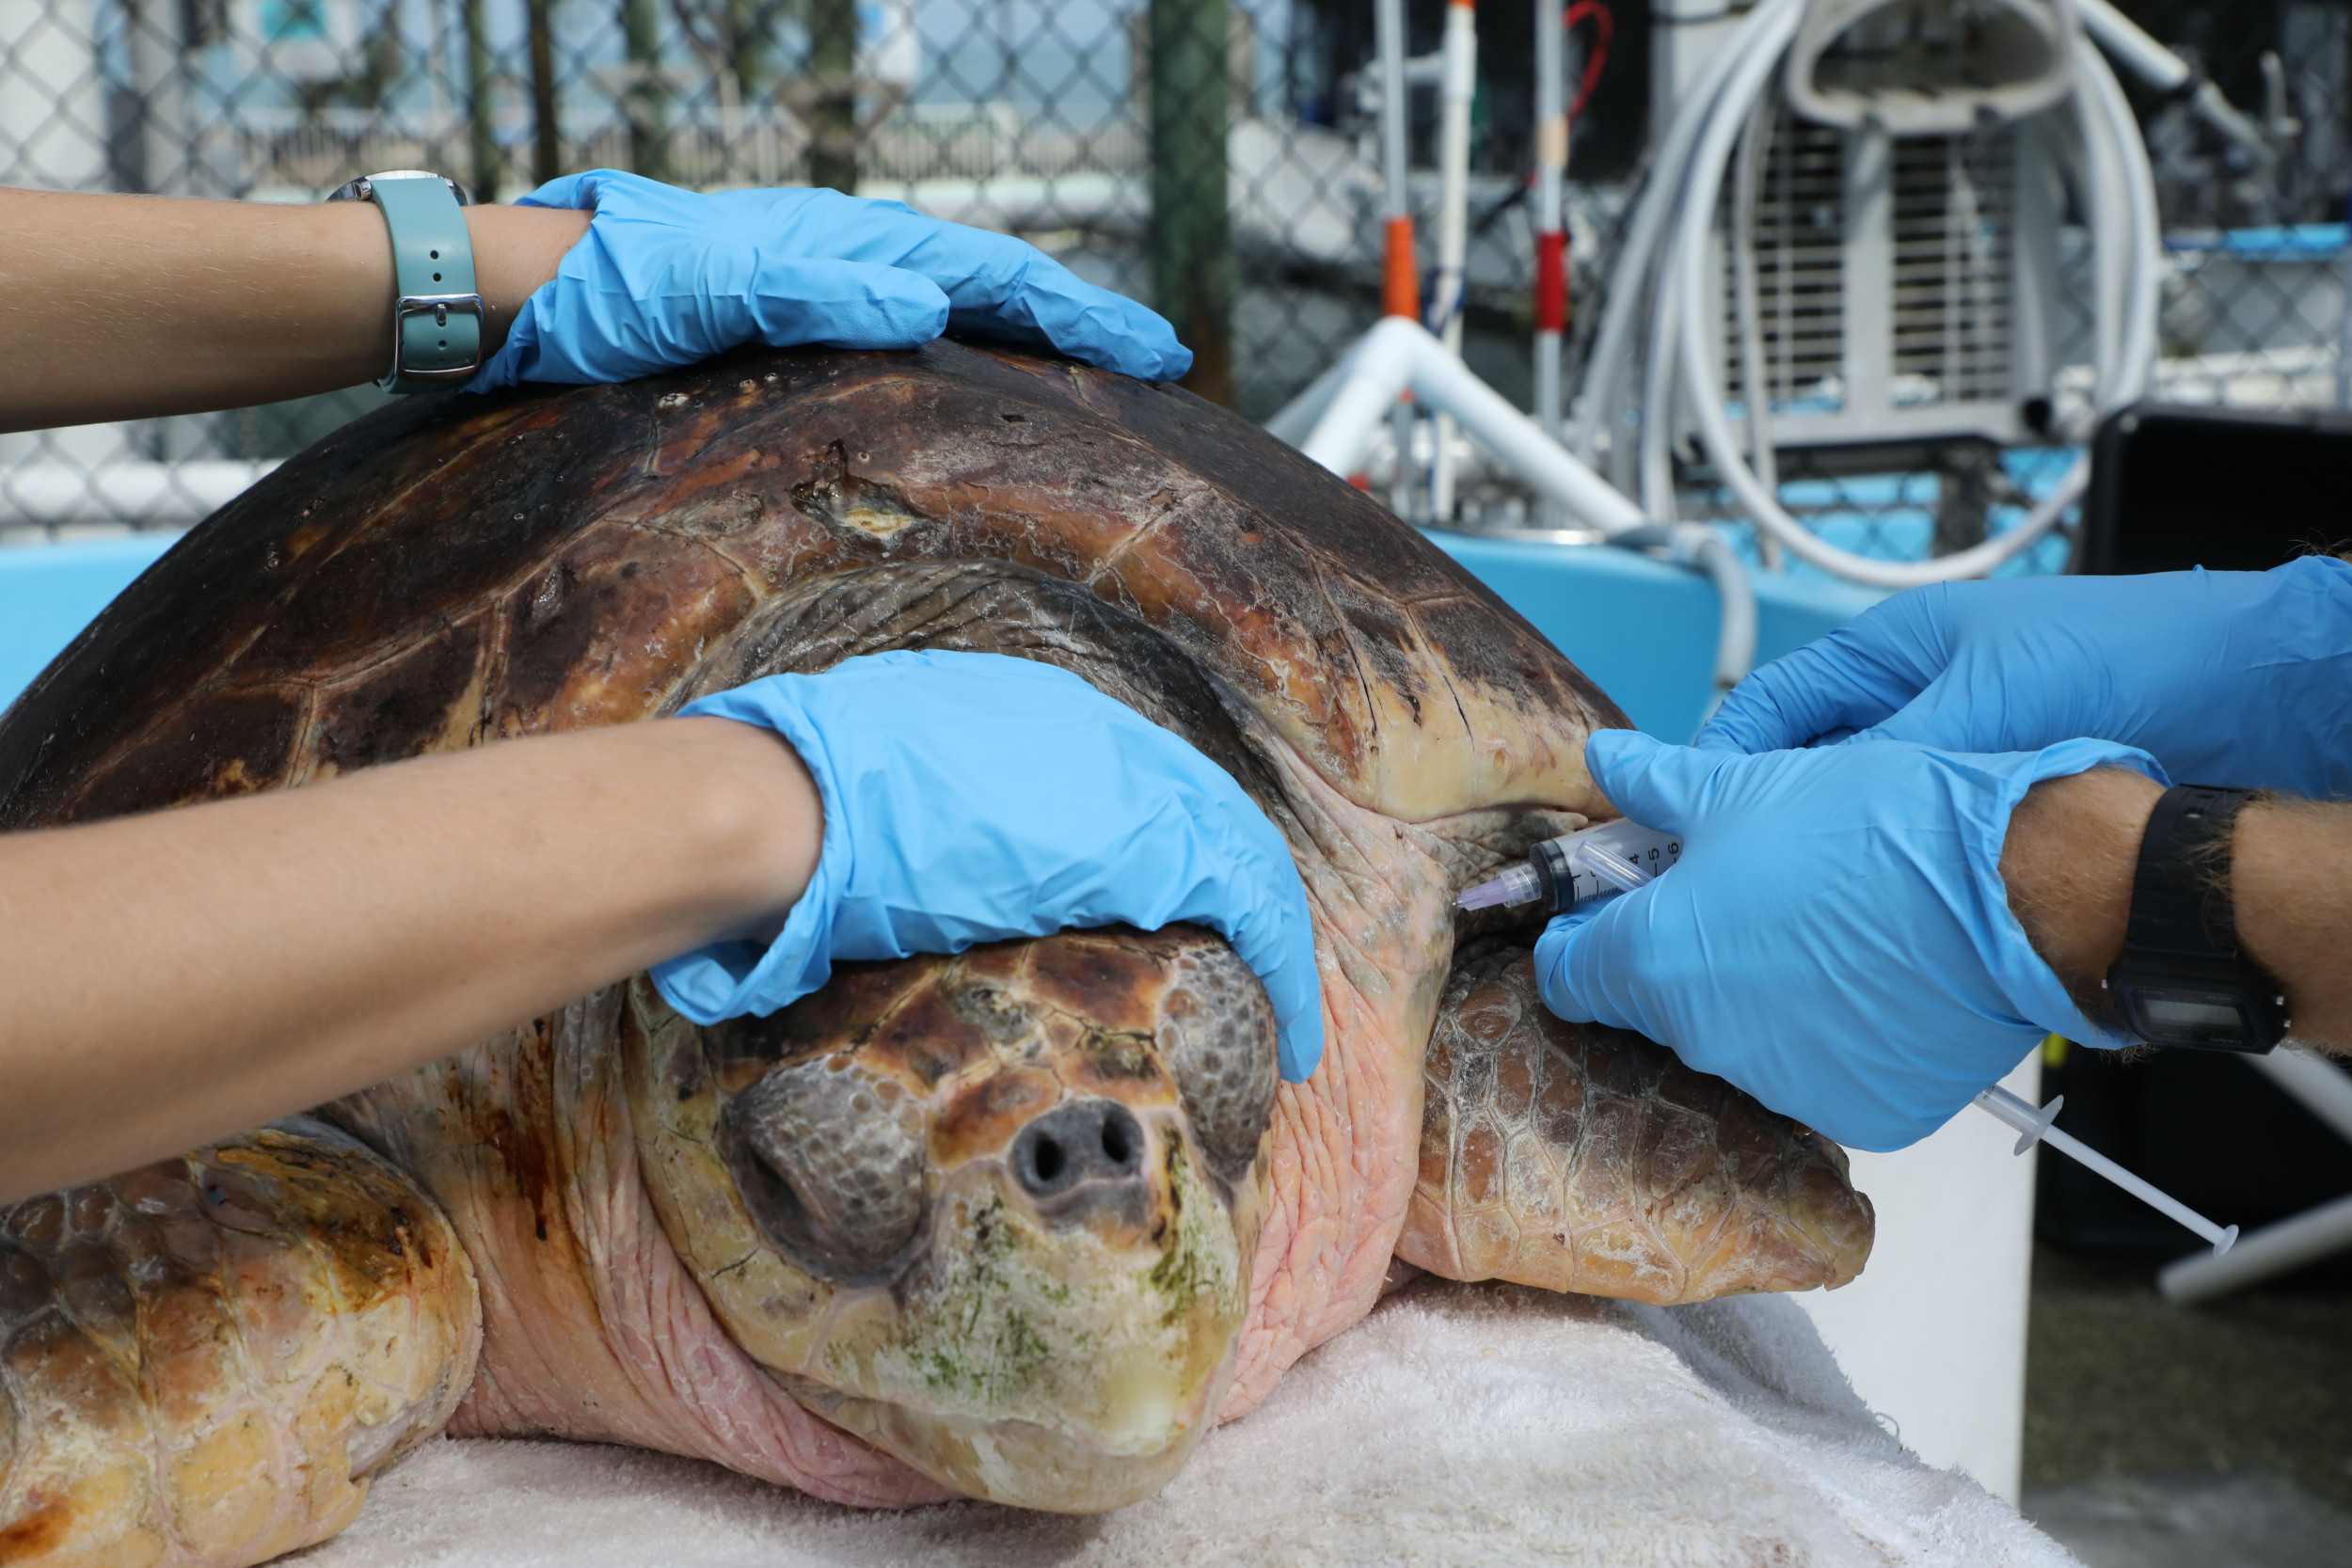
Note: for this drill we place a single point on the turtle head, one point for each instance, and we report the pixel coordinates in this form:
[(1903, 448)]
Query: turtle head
[(994, 1213)]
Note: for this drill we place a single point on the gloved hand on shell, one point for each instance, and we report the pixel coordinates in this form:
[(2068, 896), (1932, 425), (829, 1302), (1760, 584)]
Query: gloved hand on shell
[(665, 278), (971, 798)]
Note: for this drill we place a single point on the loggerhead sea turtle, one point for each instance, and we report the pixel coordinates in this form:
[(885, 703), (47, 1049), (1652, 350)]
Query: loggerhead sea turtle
[(1018, 1224)]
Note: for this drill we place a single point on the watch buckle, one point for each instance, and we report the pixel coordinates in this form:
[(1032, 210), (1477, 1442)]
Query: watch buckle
[(438, 306)]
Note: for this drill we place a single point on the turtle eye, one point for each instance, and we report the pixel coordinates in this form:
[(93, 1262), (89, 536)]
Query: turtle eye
[(1216, 1035), (830, 1159)]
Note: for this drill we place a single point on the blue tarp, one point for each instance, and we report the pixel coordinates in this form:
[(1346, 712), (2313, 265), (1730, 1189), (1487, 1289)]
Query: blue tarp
[(48, 592)]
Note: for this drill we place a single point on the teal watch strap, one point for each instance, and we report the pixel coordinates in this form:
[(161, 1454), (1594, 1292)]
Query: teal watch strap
[(436, 329)]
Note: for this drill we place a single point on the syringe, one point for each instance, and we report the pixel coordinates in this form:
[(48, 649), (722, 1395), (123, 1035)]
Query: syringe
[(1616, 857), (2034, 1126)]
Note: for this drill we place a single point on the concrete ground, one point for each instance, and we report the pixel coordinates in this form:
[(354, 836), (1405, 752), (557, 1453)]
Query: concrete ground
[(2217, 1436)]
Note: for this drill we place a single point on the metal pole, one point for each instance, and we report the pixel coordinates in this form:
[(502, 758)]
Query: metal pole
[(742, 82), (2315, 1084), (1399, 280), (1552, 240), (747, 30), (1389, 23), (1192, 240), (1459, 86), (2326, 1093)]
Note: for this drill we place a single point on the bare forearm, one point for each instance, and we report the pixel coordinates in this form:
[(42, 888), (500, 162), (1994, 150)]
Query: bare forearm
[(2292, 879), (2068, 863), (178, 976), (126, 306)]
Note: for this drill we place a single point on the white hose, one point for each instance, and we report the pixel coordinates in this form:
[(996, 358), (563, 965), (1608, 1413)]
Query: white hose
[(1755, 391), (1666, 245), (1611, 350), (1702, 549), (1671, 321)]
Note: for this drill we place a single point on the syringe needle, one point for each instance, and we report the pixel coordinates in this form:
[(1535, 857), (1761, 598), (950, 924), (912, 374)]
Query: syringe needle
[(2034, 1124)]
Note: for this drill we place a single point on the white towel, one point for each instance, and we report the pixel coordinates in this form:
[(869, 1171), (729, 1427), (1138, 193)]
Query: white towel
[(1457, 1424)]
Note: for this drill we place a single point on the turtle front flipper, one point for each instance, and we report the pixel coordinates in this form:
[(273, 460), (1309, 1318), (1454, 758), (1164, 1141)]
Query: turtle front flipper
[(202, 1360), (1576, 1157)]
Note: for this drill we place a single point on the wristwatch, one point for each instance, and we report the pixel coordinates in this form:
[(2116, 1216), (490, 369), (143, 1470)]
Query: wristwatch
[(437, 317), (2183, 980)]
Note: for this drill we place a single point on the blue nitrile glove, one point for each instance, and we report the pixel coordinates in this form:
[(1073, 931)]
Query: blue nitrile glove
[(2238, 679), (1836, 937), (665, 278), (972, 797)]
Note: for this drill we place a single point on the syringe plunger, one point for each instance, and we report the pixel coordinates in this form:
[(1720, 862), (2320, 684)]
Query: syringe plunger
[(2034, 1126)]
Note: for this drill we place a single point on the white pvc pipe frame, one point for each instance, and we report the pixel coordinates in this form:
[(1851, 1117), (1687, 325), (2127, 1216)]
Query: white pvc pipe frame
[(1334, 422), (2327, 1093)]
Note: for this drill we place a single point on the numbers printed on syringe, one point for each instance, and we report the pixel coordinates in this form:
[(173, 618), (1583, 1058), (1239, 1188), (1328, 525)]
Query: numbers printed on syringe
[(1649, 861)]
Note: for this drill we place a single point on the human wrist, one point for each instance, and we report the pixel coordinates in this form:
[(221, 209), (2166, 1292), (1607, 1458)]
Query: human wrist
[(2068, 862), (2289, 860), (516, 251), (758, 822), (772, 948)]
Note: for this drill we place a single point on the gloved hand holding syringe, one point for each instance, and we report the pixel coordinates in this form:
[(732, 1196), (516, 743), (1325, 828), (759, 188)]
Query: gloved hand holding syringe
[(1617, 857)]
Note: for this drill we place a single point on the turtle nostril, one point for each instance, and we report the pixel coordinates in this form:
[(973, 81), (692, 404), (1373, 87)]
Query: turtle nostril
[(1080, 1141), (1045, 1158), (1042, 1162)]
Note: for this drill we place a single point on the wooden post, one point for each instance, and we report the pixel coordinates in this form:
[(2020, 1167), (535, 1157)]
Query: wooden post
[(547, 152), (748, 22), (648, 102), (1192, 237), (481, 134), (832, 74)]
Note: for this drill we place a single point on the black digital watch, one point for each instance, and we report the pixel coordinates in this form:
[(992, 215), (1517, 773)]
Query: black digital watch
[(2183, 980)]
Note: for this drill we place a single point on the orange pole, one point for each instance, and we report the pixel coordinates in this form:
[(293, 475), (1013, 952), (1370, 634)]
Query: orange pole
[(1400, 275)]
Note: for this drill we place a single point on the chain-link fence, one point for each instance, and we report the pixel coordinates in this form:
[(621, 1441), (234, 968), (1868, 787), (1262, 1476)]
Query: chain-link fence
[(1215, 158)]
